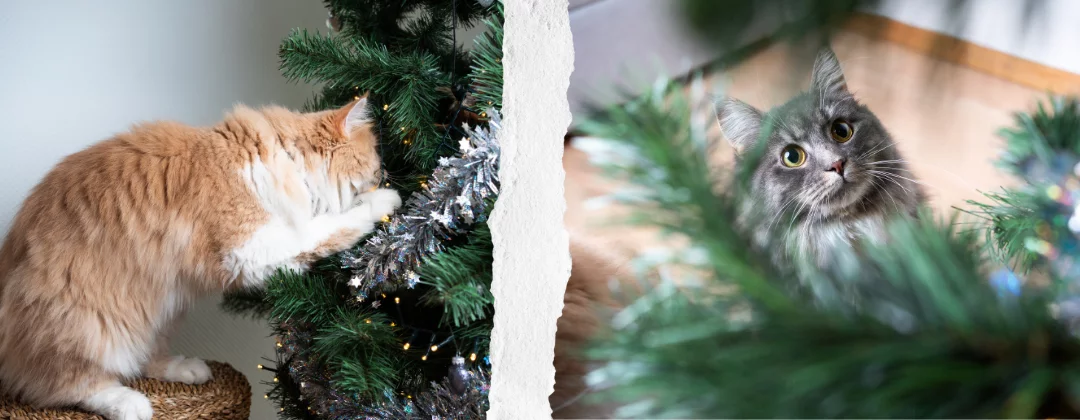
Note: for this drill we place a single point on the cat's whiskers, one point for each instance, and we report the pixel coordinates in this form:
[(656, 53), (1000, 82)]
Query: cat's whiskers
[(780, 213), (899, 176), (885, 176), (880, 187), (874, 151)]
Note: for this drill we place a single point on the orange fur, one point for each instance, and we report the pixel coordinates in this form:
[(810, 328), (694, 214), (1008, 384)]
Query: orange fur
[(587, 297), (110, 247)]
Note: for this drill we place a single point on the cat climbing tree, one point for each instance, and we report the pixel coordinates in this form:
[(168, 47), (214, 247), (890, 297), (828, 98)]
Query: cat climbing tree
[(398, 326)]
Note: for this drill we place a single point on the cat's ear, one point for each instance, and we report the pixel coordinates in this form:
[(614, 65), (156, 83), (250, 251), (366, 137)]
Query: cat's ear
[(739, 122), (352, 116), (828, 77)]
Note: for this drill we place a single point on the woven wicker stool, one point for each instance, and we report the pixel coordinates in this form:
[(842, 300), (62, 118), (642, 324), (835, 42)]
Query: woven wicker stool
[(226, 397)]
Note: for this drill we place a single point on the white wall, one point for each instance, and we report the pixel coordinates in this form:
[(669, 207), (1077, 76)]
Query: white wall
[(75, 72), (1049, 38)]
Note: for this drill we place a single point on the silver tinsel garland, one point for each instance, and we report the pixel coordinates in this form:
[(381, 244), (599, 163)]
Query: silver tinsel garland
[(455, 198)]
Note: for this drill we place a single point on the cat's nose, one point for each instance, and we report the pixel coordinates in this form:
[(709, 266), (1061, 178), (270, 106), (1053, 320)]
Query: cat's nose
[(838, 167)]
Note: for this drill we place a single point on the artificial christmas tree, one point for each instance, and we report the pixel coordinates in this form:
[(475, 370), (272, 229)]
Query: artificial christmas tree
[(398, 326), (945, 320)]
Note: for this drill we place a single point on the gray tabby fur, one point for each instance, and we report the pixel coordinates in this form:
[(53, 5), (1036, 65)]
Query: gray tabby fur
[(814, 212)]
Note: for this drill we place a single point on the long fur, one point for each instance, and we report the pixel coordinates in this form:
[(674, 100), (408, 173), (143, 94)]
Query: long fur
[(812, 211), (118, 239), (824, 212)]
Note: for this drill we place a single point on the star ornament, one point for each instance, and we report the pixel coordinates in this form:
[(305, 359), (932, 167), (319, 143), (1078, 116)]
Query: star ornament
[(465, 145), (355, 281)]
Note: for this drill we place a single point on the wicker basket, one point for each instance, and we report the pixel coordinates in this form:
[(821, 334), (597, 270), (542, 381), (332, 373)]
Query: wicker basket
[(226, 397)]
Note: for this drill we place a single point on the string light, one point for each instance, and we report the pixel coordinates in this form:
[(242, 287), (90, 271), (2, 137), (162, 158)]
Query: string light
[(367, 321), (397, 299), (261, 367), (279, 344), (434, 348), (385, 107), (385, 219), (266, 396), (407, 345), (393, 324), (424, 357), (472, 357), (356, 98), (275, 379)]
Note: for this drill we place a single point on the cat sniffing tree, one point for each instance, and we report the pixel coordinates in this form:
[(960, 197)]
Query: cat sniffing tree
[(398, 326)]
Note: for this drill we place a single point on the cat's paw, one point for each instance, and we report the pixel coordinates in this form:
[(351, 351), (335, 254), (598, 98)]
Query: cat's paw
[(187, 370), (381, 202), (120, 403)]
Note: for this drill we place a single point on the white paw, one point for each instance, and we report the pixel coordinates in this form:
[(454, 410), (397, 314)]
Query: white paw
[(188, 370), (120, 403), (382, 201)]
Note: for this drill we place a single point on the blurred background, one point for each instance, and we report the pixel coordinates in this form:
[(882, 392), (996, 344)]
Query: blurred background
[(943, 76)]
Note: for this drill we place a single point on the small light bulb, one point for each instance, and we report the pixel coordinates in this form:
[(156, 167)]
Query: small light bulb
[(435, 347), (356, 98), (282, 409), (384, 295), (279, 344), (393, 324), (266, 396), (385, 107), (387, 184), (261, 367), (402, 128), (424, 357), (409, 397), (367, 321), (385, 219), (407, 345), (472, 357), (397, 299), (303, 384), (275, 379)]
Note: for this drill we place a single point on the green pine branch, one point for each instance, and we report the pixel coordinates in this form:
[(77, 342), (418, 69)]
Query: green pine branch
[(460, 280), (487, 70), (911, 329)]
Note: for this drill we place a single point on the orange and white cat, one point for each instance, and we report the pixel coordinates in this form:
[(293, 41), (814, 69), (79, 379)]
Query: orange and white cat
[(117, 240)]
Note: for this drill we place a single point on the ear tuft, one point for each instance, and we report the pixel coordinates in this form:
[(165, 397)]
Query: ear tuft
[(739, 122), (827, 76), (353, 115)]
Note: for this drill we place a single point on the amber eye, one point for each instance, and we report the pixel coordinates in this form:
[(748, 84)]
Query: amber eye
[(793, 156), (841, 131)]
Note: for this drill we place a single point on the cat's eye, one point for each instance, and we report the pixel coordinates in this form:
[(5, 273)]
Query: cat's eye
[(841, 131), (793, 156)]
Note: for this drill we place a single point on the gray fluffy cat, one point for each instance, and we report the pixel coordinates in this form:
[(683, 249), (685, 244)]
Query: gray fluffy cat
[(830, 175)]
